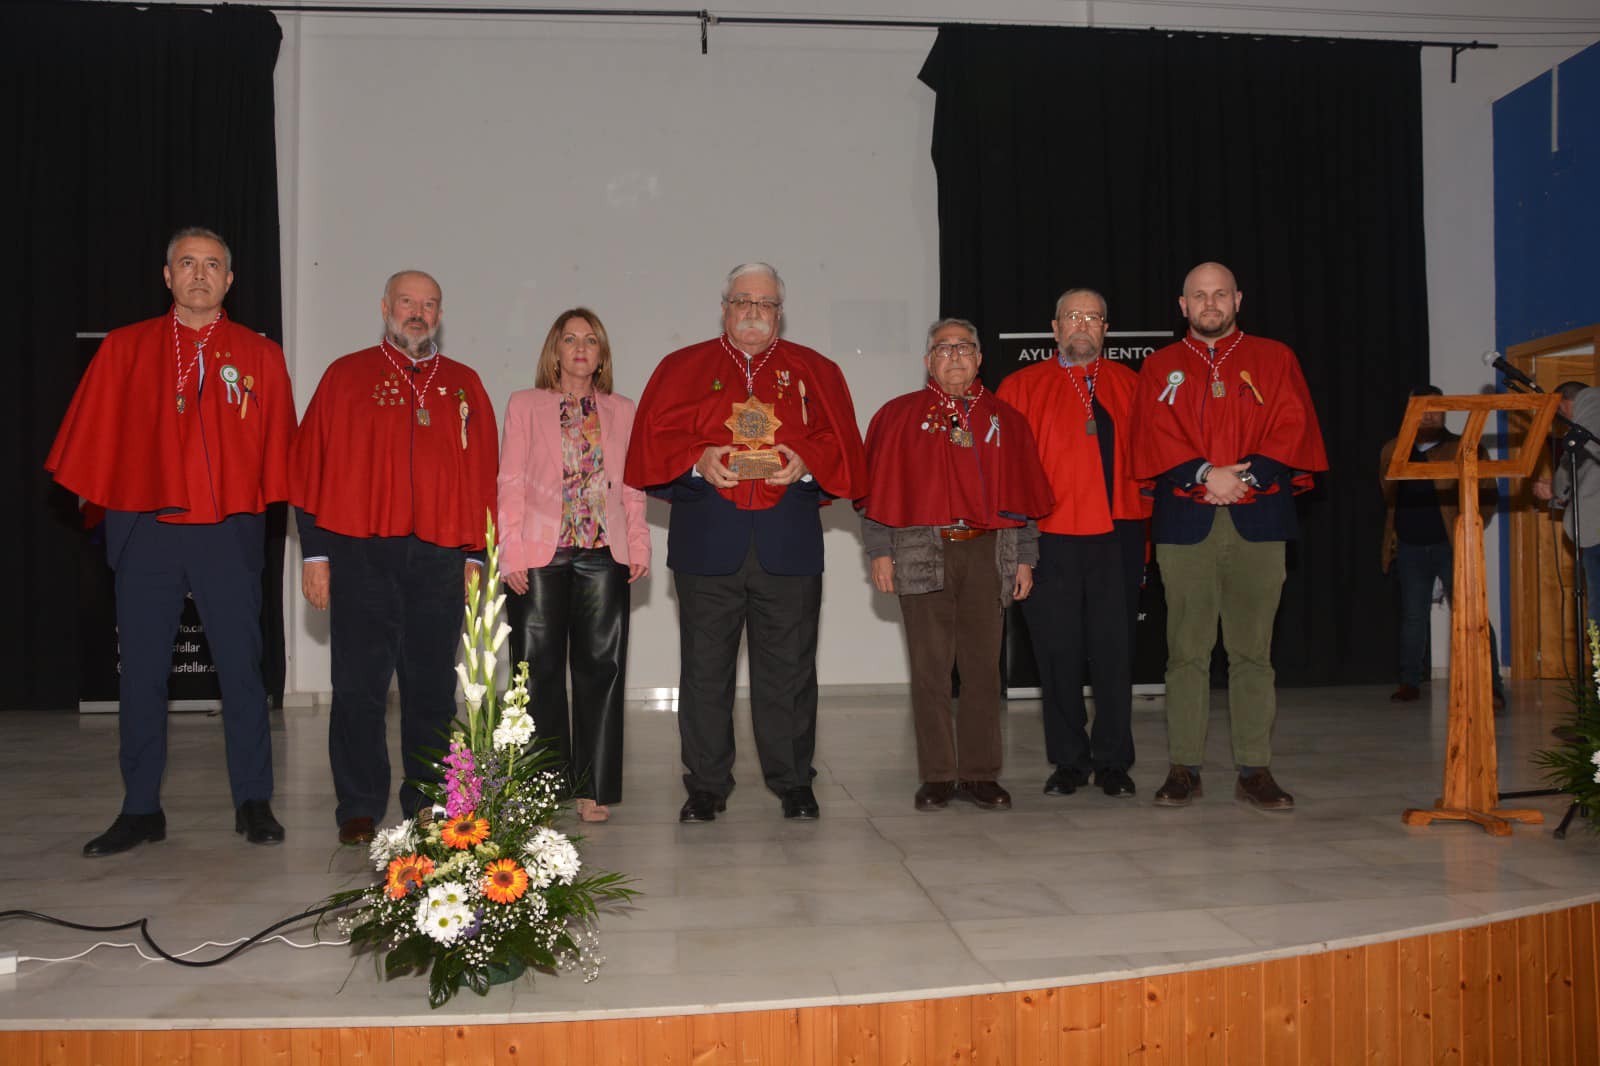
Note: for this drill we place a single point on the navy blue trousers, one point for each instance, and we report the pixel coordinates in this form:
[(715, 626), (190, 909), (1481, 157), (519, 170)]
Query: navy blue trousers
[(395, 608), (157, 564)]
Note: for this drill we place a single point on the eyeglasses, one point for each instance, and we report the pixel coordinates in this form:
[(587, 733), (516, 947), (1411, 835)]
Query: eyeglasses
[(1085, 318), (744, 304), (964, 349)]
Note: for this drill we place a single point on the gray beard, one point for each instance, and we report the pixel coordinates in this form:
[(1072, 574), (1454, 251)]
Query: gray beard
[(1080, 352)]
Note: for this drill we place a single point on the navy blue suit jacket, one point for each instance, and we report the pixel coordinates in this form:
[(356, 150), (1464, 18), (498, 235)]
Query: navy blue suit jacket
[(1180, 519), (708, 536)]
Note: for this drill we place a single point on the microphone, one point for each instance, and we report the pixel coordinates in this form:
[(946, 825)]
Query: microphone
[(1494, 359)]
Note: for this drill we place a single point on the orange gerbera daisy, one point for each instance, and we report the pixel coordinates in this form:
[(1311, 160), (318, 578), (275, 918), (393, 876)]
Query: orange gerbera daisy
[(465, 831), (504, 881), (405, 873)]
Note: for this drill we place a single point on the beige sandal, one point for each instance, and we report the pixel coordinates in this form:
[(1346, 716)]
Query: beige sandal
[(590, 811)]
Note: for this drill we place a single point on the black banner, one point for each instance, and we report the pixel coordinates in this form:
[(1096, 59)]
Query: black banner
[(1018, 667)]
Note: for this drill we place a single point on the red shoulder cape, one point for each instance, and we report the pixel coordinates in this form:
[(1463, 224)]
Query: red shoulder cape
[(1180, 419), (691, 394), (365, 467), (1051, 397), (123, 445), (917, 476)]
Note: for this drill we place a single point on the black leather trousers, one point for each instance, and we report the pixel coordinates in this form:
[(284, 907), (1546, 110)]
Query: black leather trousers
[(577, 607)]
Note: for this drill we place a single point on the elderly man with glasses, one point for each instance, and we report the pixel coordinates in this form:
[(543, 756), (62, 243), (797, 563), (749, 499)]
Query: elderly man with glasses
[(953, 487), (1091, 548), (747, 435)]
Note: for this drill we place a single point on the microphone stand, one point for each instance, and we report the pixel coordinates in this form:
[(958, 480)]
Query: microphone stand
[(1574, 441)]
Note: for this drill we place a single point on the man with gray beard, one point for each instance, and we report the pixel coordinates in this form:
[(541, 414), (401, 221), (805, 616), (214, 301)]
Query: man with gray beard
[(393, 478), (747, 435)]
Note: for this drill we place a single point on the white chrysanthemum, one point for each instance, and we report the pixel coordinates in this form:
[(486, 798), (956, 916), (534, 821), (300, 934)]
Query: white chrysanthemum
[(444, 913), (1595, 758), (390, 843), (514, 731), (551, 858)]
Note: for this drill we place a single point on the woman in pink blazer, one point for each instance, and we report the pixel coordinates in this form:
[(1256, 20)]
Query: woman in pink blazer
[(572, 539)]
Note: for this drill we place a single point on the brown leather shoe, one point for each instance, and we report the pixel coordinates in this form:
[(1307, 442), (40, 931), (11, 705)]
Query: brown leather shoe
[(353, 831), (1405, 694), (935, 795), (1262, 792), (985, 794), (1182, 785)]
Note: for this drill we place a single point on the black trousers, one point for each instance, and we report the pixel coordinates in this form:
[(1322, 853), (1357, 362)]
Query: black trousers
[(395, 607), (220, 566), (1082, 610), (577, 606), (780, 615)]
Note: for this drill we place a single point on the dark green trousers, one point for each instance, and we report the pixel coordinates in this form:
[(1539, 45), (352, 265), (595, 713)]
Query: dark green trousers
[(1238, 582)]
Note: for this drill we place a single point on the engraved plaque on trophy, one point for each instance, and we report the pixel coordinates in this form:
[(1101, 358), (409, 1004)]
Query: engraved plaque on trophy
[(754, 424)]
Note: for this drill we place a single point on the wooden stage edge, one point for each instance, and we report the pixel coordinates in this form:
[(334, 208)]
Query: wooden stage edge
[(1521, 990)]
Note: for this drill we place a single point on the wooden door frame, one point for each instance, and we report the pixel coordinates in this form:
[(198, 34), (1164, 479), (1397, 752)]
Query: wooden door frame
[(1524, 517)]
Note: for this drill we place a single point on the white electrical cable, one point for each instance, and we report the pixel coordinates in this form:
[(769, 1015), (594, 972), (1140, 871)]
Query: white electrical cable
[(180, 954)]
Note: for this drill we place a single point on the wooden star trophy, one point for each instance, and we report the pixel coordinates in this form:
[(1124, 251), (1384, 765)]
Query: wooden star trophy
[(1471, 767), (754, 424)]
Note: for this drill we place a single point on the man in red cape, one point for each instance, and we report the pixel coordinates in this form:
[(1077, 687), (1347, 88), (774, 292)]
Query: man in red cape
[(393, 478), (1227, 435), (1085, 599), (953, 484), (746, 555), (180, 430)]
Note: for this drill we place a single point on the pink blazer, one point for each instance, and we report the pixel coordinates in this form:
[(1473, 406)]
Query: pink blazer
[(530, 481)]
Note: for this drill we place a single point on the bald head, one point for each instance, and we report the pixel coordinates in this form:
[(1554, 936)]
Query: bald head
[(1210, 301)]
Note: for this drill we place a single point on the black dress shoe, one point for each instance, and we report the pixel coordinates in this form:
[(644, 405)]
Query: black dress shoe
[(935, 795), (801, 803), (1115, 783), (128, 831), (254, 819), (701, 807), (1062, 783), (354, 831)]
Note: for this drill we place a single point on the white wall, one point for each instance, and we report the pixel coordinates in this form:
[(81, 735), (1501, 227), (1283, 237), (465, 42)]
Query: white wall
[(532, 165)]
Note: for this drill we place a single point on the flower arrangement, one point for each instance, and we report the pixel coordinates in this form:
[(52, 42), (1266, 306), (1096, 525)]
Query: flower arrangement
[(1574, 767), (482, 886)]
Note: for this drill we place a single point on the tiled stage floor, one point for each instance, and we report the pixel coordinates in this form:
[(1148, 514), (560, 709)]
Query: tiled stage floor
[(874, 901)]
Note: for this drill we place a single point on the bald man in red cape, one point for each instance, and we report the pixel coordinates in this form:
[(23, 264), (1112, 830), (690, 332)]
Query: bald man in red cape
[(393, 482), (1085, 601), (1227, 436), (180, 430), (953, 484), (746, 554)]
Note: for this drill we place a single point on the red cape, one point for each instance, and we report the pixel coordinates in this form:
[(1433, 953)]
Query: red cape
[(918, 477), (691, 394), (365, 468), (124, 446), (1184, 421), (1051, 401)]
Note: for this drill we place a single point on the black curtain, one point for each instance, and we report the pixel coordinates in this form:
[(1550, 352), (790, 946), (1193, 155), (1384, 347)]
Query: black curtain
[(1118, 160), (124, 124)]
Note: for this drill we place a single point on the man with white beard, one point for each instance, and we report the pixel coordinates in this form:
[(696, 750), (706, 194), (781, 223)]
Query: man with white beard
[(747, 435), (393, 476)]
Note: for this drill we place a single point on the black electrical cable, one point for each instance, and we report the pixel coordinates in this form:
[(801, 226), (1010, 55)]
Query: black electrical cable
[(143, 925)]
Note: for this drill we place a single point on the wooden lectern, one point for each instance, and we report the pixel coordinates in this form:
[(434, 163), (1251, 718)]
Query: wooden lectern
[(1471, 768)]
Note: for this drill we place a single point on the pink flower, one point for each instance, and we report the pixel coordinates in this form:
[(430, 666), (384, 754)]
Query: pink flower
[(463, 786)]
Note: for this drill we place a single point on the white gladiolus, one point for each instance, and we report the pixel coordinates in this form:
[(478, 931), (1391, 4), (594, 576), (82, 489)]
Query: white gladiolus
[(474, 693), (461, 675), (489, 664), (500, 636)]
